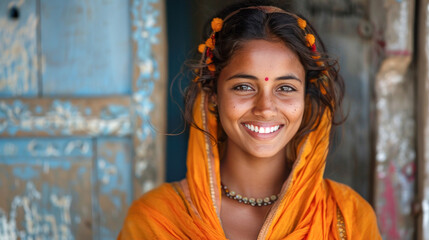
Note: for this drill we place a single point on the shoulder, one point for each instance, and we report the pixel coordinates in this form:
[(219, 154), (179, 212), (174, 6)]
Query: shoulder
[(147, 213), (349, 201), (359, 215), (345, 195), (158, 200), (162, 194)]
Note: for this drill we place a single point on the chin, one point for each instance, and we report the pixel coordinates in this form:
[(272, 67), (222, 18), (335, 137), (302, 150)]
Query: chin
[(263, 152)]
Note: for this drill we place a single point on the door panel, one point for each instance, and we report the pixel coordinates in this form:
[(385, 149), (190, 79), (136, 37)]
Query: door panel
[(80, 94), (86, 46), (43, 182)]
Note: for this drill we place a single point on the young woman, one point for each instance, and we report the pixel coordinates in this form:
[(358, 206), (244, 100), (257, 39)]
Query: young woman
[(261, 107)]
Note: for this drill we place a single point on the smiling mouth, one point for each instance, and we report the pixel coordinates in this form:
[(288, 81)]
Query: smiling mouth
[(259, 129)]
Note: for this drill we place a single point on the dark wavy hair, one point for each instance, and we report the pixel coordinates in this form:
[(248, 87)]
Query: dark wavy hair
[(256, 24)]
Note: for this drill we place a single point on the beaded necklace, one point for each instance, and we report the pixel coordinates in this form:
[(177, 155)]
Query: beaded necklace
[(255, 202)]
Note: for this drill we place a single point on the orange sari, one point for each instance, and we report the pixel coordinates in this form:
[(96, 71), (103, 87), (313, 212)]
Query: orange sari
[(309, 207)]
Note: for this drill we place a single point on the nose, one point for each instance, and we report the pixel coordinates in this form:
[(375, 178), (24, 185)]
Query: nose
[(264, 105)]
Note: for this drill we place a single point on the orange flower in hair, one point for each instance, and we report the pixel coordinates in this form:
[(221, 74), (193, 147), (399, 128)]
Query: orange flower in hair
[(217, 24), (211, 67), (210, 43), (209, 60), (201, 47), (310, 39), (302, 23)]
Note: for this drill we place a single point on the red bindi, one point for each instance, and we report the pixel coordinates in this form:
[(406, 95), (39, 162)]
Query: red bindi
[(266, 78)]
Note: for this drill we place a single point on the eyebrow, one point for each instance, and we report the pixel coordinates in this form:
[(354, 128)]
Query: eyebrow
[(251, 77)]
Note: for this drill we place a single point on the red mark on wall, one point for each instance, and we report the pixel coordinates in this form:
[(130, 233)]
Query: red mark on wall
[(388, 215)]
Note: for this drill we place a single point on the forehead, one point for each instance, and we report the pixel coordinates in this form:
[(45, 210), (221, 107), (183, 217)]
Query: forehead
[(262, 56)]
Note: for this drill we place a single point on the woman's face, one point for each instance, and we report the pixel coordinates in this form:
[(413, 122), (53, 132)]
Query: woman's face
[(260, 98)]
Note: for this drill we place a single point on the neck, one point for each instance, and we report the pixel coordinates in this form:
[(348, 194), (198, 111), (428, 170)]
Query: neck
[(252, 176)]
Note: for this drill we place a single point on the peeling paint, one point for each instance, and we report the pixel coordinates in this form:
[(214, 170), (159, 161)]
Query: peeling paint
[(399, 18), (60, 200), (395, 156), (37, 222), (395, 121), (425, 209), (106, 171), (389, 216), (18, 58), (65, 118), (64, 204), (145, 21), (30, 147), (140, 167), (113, 167), (113, 181)]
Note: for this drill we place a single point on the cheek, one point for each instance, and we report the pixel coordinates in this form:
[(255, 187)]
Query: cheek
[(229, 111), (295, 111), (230, 106)]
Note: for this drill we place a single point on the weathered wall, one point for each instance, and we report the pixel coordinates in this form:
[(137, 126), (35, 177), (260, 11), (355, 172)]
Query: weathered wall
[(394, 119), (82, 95), (376, 152)]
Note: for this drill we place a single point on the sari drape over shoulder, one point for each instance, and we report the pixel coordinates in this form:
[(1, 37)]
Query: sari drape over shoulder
[(309, 207)]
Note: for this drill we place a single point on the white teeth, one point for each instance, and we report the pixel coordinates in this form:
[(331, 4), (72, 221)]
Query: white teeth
[(262, 129)]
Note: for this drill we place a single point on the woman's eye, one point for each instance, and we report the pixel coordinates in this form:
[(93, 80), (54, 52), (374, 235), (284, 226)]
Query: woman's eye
[(286, 89), (242, 88)]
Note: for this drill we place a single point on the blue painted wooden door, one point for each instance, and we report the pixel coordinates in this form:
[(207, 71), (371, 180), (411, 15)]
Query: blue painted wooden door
[(81, 85)]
